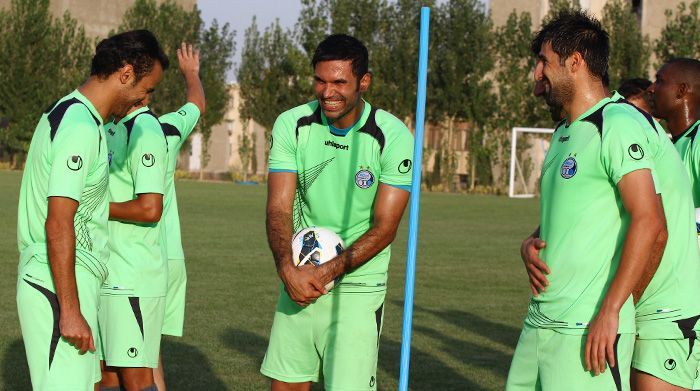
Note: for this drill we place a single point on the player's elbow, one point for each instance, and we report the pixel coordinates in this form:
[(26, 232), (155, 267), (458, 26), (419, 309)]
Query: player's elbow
[(152, 213)]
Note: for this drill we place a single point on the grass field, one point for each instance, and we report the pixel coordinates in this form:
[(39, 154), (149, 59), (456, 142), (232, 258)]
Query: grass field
[(471, 291)]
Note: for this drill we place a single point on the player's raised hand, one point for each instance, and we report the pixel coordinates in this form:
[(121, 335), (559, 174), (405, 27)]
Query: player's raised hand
[(600, 342), (302, 285), (534, 265), (188, 59), (76, 331)]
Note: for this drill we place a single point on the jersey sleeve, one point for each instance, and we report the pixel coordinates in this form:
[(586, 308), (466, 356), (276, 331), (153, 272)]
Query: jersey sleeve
[(184, 119), (625, 147), (283, 146), (695, 170), (148, 153), (397, 156), (74, 149)]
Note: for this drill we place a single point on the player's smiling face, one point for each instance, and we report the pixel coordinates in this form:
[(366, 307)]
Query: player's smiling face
[(135, 94), (663, 93), (555, 84), (339, 91)]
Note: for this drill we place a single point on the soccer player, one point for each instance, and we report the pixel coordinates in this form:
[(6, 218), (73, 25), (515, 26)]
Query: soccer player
[(63, 212), (177, 126), (599, 219), (340, 163), (636, 92), (133, 296)]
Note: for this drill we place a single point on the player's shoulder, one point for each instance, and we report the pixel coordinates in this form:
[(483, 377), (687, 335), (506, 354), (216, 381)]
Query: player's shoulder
[(388, 122), (71, 115)]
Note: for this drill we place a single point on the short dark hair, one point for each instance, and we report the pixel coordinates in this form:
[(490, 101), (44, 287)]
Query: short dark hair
[(576, 31), (343, 47), (631, 87), (139, 48)]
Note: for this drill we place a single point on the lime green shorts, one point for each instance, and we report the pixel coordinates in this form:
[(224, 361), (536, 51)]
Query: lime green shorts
[(674, 361), (546, 360), (174, 320), (130, 329), (54, 364), (338, 335)]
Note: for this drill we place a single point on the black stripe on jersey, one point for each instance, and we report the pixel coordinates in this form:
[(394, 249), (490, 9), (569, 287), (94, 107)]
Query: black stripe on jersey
[(646, 115), (58, 111), (314, 118), (170, 130), (53, 301), (370, 127), (129, 125), (136, 308), (691, 134), (596, 118)]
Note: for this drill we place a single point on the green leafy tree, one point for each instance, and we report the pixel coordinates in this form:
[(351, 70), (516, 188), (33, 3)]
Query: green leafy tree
[(681, 36), (173, 25), (629, 49), (43, 58)]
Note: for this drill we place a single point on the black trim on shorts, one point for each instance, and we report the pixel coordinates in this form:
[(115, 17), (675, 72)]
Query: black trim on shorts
[(136, 307), (615, 371), (53, 301), (378, 319)]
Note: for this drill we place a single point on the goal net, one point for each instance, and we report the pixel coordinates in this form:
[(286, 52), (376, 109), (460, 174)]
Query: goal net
[(528, 148)]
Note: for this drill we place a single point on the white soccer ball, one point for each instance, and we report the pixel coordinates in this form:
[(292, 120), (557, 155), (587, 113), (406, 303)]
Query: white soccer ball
[(317, 246)]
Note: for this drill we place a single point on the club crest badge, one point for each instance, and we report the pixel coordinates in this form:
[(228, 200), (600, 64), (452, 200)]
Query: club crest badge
[(364, 179), (568, 168)]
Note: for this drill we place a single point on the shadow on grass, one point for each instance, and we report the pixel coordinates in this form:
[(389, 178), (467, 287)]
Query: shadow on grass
[(250, 344), (15, 371), (186, 368)]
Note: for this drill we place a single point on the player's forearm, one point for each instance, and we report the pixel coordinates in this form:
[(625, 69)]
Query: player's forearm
[(365, 248), (279, 237), (60, 237), (195, 90), (135, 211), (657, 253), (640, 241)]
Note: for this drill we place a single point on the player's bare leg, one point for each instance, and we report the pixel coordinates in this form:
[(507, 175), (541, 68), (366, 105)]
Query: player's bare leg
[(282, 386), (642, 381), (136, 379), (159, 374), (110, 378)]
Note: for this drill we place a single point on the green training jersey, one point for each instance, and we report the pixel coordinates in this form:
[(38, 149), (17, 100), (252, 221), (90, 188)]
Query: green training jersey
[(138, 160), (177, 126), (67, 158), (582, 218), (688, 146), (339, 172), (670, 304)]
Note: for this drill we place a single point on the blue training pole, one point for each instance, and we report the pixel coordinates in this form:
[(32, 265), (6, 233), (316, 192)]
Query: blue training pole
[(415, 199)]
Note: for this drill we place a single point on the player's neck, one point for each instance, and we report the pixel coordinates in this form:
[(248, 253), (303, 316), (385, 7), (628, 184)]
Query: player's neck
[(351, 117), (94, 90), (682, 119), (586, 95)]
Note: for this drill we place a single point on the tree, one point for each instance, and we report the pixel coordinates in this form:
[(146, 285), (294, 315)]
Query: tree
[(43, 58), (680, 37), (173, 25), (629, 49)]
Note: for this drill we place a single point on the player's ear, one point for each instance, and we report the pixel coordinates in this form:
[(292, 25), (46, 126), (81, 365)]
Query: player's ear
[(575, 62), (365, 81), (682, 90), (126, 74)]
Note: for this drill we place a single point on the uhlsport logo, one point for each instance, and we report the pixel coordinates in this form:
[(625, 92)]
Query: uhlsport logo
[(132, 352), (364, 178), (148, 160), (371, 381), (405, 166), (331, 143), (670, 364), (636, 152), (75, 163), (568, 168)]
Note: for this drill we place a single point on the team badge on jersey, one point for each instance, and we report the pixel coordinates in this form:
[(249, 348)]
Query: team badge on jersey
[(364, 178), (636, 152), (568, 168)]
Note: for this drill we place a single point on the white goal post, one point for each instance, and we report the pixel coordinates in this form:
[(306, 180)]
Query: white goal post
[(518, 176)]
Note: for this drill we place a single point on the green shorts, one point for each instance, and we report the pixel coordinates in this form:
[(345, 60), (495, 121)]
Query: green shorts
[(175, 298), (337, 335), (130, 329), (545, 360), (670, 360), (54, 364)]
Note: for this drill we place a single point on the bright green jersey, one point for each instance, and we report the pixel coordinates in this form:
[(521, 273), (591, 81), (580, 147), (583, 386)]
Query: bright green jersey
[(67, 158), (177, 126), (583, 220), (138, 160), (670, 304), (338, 174), (688, 146)]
